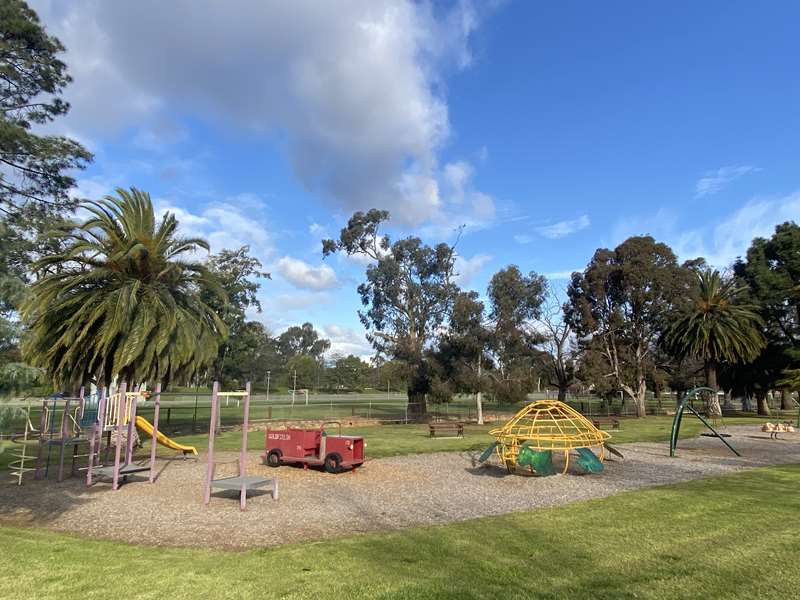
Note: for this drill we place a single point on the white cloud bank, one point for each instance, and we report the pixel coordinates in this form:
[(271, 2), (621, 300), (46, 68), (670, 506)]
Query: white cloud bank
[(354, 89), (346, 341), (720, 243), (714, 182), (731, 237), (304, 276), (468, 268), (564, 228), (227, 224)]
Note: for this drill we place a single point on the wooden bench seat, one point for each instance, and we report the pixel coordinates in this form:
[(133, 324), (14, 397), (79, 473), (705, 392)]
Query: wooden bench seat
[(450, 428), (600, 421)]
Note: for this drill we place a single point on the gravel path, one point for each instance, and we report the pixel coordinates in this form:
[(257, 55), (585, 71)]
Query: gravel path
[(384, 494)]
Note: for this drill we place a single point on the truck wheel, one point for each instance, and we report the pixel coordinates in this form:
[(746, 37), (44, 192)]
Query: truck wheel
[(333, 463), (274, 458)]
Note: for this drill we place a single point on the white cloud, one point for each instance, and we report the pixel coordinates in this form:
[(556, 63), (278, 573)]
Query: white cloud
[(457, 175), (714, 181), (303, 275), (459, 204), (564, 228), (732, 236), (561, 274), (523, 239), (468, 268), (227, 224), (660, 225), (353, 88), (346, 341), (719, 243)]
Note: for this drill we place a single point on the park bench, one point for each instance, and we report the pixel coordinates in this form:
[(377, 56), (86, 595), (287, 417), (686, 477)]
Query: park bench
[(451, 428), (600, 421)]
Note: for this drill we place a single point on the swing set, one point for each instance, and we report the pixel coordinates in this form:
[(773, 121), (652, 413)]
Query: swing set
[(684, 405)]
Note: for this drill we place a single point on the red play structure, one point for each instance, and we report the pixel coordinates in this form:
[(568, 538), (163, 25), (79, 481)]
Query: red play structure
[(313, 447)]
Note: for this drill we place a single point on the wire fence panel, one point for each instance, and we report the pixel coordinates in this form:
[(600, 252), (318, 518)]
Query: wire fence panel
[(183, 413)]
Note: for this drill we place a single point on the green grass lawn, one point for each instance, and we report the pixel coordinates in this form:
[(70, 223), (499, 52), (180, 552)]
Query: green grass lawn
[(394, 440), (728, 537)]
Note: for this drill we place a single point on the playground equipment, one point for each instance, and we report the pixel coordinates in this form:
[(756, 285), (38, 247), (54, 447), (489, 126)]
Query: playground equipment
[(313, 447), (775, 428), (684, 405), (543, 427), (20, 452), (242, 482), (61, 426), (116, 420)]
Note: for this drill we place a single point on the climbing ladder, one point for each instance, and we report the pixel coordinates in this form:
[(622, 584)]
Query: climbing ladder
[(20, 451)]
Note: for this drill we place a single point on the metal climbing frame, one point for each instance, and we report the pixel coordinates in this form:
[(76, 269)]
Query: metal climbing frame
[(676, 422), (241, 482), (19, 454), (60, 428)]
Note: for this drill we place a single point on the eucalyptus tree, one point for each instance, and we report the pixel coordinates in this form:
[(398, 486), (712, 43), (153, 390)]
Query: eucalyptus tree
[(557, 338), (716, 328), (302, 340), (408, 294), (621, 302), (515, 303), (237, 273), (463, 349), (771, 270), (122, 299)]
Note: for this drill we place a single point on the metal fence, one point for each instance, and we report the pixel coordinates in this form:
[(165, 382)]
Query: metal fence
[(185, 413)]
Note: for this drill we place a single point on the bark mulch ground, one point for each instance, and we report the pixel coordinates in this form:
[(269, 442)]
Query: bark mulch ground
[(387, 493)]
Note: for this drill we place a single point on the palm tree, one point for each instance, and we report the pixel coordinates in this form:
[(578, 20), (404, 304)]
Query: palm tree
[(122, 299), (716, 329)]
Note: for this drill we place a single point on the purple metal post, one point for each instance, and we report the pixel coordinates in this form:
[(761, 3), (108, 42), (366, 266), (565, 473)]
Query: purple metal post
[(96, 435), (42, 426), (243, 451), (211, 427), (120, 416), (155, 433), (131, 430), (81, 405), (63, 438)]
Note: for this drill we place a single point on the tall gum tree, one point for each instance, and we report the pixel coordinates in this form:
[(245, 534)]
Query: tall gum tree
[(408, 294), (771, 271), (621, 302), (515, 302)]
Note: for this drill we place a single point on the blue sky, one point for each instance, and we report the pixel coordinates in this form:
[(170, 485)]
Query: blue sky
[(549, 130)]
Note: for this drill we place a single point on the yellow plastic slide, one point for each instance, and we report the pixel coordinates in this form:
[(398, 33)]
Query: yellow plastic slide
[(147, 427)]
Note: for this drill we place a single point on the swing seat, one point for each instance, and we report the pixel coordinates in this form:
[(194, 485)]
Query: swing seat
[(588, 461), (539, 461)]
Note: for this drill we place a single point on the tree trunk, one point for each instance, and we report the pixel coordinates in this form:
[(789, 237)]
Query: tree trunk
[(562, 393), (714, 409), (763, 407), (416, 406), (786, 400), (419, 384), (639, 396)]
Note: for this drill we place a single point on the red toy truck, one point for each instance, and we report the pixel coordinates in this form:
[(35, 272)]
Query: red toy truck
[(313, 447)]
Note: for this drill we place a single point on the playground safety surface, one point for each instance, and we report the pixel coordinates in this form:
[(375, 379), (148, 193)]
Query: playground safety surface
[(384, 494)]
